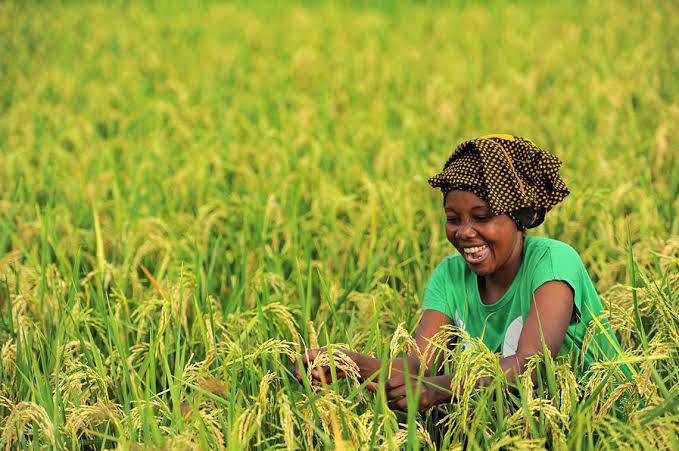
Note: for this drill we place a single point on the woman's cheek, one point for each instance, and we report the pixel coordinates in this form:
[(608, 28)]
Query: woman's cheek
[(450, 232)]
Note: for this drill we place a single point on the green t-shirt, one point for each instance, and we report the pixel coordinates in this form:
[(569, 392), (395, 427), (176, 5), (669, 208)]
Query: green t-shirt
[(453, 291)]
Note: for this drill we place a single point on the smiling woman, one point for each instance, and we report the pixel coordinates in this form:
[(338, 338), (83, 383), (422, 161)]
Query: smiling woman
[(516, 293)]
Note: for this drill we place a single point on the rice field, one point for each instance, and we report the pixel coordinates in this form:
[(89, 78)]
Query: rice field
[(192, 193)]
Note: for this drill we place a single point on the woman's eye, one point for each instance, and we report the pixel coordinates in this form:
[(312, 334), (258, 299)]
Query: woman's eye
[(482, 218), (453, 220)]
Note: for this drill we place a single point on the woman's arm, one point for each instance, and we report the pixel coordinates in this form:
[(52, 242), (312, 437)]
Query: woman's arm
[(550, 314), (431, 323)]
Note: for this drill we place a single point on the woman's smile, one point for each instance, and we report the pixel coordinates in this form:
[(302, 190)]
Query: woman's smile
[(475, 255)]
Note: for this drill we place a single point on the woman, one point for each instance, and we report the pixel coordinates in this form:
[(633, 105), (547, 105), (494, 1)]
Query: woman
[(507, 288)]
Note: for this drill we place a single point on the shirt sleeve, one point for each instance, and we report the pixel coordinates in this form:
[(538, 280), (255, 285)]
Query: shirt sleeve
[(435, 297), (561, 263)]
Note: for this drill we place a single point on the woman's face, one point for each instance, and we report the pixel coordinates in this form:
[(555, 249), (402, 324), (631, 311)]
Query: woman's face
[(487, 242)]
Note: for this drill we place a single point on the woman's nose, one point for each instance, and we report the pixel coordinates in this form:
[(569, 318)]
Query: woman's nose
[(465, 230)]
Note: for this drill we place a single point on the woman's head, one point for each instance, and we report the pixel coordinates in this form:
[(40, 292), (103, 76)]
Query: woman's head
[(487, 241), (509, 178)]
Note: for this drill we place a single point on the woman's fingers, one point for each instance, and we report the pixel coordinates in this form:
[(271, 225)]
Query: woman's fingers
[(395, 388), (394, 382), (321, 374), (324, 374), (397, 392), (399, 404), (295, 371)]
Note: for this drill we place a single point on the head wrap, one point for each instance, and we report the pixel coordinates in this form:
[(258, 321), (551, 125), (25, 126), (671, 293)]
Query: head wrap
[(513, 175)]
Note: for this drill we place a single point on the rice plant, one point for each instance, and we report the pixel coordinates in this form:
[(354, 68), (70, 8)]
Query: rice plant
[(193, 193)]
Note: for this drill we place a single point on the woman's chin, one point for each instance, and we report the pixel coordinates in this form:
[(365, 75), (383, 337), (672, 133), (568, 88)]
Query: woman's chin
[(481, 270)]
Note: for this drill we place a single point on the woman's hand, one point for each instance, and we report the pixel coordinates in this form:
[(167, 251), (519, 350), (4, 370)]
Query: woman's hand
[(319, 373), (433, 390), (431, 323), (316, 362)]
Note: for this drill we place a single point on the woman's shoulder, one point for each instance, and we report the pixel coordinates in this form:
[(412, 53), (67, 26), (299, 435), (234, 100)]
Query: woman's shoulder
[(540, 244), (555, 254)]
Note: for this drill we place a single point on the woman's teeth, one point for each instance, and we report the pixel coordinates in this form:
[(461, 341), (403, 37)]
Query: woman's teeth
[(471, 250), (475, 255)]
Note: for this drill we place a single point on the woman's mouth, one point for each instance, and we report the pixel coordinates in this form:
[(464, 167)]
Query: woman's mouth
[(475, 255)]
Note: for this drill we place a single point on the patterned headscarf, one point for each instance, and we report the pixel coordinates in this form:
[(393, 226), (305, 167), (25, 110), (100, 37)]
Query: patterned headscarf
[(513, 175)]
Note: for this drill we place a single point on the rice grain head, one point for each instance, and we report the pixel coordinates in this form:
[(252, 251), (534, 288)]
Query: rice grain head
[(568, 387), (341, 361), (264, 385), (245, 424), (276, 347), (8, 355), (518, 443), (83, 419), (288, 422), (23, 415), (402, 341), (208, 414), (79, 383), (313, 336), (283, 314)]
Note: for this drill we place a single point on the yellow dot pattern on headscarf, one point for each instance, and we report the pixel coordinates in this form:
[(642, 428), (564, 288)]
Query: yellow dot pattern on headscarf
[(509, 172)]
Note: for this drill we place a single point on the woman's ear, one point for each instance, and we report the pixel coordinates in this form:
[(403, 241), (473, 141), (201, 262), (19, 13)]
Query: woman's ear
[(524, 217)]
